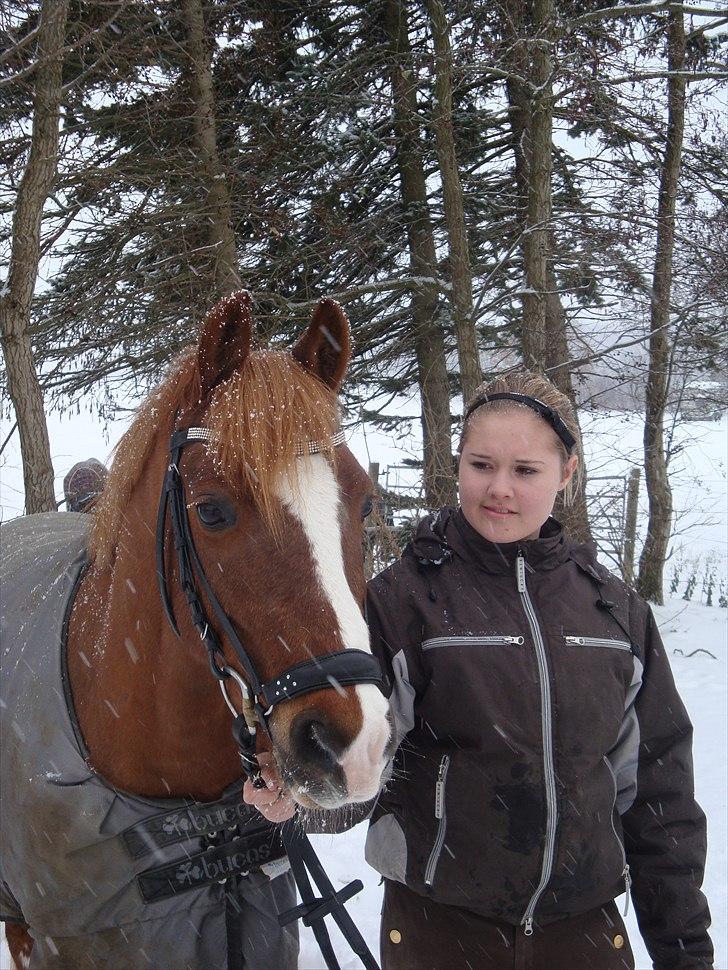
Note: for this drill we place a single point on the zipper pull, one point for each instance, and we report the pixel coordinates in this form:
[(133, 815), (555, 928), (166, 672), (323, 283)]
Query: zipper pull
[(440, 790), (518, 640), (528, 926), (627, 887), (521, 573)]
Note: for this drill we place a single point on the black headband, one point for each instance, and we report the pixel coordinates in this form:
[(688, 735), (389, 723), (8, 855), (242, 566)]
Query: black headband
[(547, 413)]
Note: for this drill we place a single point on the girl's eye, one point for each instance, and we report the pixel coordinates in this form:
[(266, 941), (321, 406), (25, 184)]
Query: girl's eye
[(526, 471), (479, 465), (367, 507), (214, 515)]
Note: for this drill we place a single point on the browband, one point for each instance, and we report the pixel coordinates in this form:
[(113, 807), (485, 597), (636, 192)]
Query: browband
[(546, 412), (303, 448)]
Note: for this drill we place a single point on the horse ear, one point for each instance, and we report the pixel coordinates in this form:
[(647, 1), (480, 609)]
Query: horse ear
[(224, 340), (325, 348)]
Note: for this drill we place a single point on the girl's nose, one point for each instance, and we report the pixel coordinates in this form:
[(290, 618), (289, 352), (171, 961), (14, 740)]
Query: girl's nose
[(500, 486)]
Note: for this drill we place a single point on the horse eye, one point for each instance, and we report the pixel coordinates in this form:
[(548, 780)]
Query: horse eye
[(214, 516), (367, 508)]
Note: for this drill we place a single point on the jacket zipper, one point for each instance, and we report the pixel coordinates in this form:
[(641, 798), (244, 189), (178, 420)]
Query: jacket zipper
[(548, 755), (465, 641), (625, 866), (441, 815), (598, 642)]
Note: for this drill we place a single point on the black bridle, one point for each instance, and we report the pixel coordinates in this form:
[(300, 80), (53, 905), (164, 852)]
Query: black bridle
[(334, 670)]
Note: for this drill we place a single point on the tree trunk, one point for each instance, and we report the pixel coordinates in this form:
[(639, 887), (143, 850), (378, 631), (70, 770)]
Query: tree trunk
[(537, 150), (15, 304), (574, 517), (544, 342), (452, 198), (222, 236), (429, 340), (652, 560)]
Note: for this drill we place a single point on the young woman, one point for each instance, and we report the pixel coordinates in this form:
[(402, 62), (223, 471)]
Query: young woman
[(546, 763)]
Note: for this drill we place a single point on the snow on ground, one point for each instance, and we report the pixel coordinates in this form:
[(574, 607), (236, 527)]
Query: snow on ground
[(613, 444)]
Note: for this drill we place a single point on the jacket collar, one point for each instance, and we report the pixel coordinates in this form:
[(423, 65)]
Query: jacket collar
[(449, 533), (546, 552)]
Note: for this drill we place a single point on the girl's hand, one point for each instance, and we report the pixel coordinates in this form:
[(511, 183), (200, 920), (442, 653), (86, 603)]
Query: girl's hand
[(274, 801)]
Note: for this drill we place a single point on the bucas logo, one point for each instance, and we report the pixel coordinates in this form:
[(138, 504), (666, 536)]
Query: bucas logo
[(176, 825), (200, 823), (207, 870)]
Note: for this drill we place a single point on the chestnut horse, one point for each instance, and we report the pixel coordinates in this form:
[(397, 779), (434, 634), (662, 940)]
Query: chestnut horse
[(275, 507)]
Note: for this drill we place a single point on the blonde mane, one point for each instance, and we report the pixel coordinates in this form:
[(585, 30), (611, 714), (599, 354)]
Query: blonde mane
[(260, 417)]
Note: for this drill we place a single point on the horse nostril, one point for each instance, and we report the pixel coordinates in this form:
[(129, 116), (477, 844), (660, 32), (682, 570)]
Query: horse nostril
[(312, 739)]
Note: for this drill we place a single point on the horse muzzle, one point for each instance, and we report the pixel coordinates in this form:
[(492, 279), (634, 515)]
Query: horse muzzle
[(322, 767)]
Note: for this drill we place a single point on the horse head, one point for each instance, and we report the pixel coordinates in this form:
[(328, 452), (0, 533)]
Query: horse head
[(273, 505)]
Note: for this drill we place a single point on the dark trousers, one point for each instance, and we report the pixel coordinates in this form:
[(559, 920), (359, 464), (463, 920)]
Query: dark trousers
[(419, 934)]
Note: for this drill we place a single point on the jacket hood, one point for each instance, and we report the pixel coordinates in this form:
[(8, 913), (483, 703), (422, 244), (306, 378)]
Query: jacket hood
[(448, 533)]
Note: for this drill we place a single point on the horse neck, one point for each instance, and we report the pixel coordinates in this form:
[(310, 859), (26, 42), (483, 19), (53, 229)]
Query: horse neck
[(149, 710)]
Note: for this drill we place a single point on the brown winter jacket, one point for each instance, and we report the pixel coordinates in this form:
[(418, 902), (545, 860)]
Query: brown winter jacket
[(548, 755)]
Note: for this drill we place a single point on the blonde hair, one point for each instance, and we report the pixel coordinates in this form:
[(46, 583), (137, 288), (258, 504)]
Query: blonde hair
[(537, 386)]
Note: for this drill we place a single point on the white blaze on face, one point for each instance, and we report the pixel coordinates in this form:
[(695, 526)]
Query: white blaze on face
[(315, 504)]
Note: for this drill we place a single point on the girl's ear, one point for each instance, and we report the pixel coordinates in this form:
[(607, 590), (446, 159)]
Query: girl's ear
[(568, 471)]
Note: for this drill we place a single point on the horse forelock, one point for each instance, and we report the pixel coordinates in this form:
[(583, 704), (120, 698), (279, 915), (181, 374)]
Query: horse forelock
[(261, 417)]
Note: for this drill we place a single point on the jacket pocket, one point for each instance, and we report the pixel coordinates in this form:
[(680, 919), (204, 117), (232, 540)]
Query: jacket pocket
[(597, 642), (441, 816), (500, 639)]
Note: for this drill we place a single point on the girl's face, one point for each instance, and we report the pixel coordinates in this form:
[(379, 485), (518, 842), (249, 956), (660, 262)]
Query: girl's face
[(511, 469)]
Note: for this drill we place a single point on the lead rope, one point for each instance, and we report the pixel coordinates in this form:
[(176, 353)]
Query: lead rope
[(299, 850)]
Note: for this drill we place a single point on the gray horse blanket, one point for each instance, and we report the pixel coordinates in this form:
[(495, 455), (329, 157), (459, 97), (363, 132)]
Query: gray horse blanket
[(106, 879)]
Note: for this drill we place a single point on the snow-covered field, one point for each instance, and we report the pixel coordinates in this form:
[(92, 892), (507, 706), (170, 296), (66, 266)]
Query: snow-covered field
[(689, 629)]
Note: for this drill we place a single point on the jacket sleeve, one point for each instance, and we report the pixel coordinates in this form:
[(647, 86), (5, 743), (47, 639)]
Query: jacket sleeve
[(664, 828), (395, 631)]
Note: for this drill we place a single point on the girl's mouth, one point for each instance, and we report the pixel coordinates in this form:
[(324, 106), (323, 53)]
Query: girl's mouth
[(497, 512)]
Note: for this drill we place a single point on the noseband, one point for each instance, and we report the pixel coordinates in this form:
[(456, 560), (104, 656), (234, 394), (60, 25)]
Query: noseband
[(341, 668)]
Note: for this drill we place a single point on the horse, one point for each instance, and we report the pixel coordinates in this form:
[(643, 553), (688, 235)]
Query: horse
[(262, 547)]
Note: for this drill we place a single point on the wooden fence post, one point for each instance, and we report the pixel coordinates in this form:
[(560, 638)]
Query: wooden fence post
[(630, 526), (371, 526)]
